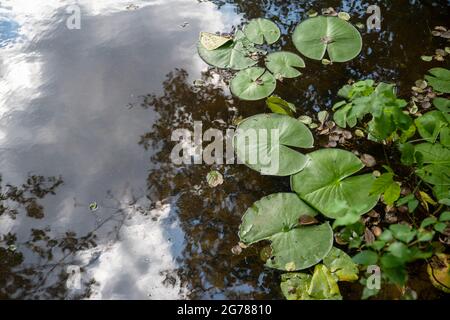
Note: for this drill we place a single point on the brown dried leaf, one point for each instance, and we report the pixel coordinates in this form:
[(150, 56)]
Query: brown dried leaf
[(307, 220), (368, 160)]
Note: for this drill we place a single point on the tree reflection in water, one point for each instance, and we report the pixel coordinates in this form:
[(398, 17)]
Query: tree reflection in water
[(208, 216), (18, 278)]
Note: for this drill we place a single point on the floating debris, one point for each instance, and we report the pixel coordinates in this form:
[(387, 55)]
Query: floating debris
[(344, 15), (214, 178), (236, 250), (312, 13), (368, 160), (132, 7), (184, 24), (93, 206)]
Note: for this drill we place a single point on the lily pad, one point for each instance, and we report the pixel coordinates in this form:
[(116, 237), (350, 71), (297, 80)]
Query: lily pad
[(262, 30), (233, 54), (439, 272), (323, 285), (320, 286), (327, 181), (295, 286), (283, 64), (212, 41), (255, 148), (341, 265), (253, 84), (315, 36), (294, 247), (439, 79)]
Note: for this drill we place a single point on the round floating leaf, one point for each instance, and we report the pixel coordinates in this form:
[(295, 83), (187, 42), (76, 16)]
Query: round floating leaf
[(263, 142), (233, 54), (253, 84), (294, 247), (260, 30), (283, 64), (318, 35), (341, 265), (326, 184), (301, 286)]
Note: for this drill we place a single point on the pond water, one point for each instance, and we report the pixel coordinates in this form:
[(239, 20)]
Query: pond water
[(92, 207)]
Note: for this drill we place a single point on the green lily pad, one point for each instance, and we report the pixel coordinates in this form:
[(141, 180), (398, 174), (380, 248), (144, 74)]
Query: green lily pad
[(253, 84), (326, 181), (294, 247), (439, 79), (262, 30), (283, 64), (255, 148), (315, 36), (231, 55), (341, 265)]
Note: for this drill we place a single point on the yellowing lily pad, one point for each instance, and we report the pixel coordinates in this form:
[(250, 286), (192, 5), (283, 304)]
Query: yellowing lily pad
[(212, 41)]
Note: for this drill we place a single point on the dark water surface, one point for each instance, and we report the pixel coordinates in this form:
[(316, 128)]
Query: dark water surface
[(87, 115)]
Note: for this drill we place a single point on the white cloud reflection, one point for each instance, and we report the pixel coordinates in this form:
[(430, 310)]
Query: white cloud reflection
[(62, 98)]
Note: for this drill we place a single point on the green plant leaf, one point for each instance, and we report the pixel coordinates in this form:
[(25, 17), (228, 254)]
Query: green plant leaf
[(382, 183), (400, 250), (233, 55), (262, 30), (315, 36), (283, 64), (428, 222), (439, 79), (341, 265), (294, 247), (256, 146), (440, 227), (445, 216), (280, 106), (430, 125), (366, 258), (253, 84), (407, 153), (392, 193), (327, 180), (443, 105), (433, 153), (402, 232)]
